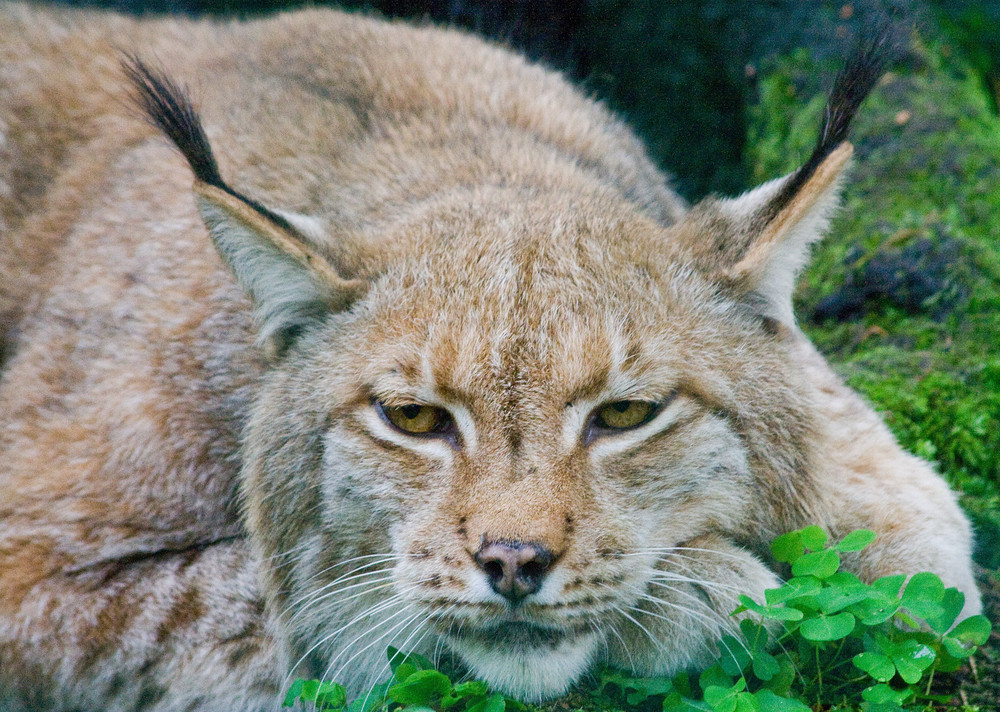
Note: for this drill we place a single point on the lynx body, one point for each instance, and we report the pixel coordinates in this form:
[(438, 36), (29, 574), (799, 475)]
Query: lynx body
[(431, 356)]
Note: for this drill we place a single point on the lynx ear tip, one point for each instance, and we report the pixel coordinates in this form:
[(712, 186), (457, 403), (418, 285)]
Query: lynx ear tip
[(876, 49), (163, 103)]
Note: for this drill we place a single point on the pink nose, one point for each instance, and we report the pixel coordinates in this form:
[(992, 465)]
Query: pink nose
[(513, 569)]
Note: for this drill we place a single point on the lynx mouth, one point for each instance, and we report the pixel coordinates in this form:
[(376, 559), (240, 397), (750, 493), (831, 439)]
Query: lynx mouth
[(513, 635)]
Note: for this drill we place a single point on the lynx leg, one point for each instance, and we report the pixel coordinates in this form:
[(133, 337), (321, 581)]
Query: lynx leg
[(869, 482)]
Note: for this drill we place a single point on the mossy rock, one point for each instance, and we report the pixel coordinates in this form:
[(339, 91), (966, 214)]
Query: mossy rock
[(921, 218)]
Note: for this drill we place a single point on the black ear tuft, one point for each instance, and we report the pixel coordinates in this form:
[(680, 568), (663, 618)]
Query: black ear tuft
[(878, 46), (875, 49), (167, 107)]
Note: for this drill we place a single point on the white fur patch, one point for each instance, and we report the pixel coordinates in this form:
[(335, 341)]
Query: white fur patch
[(532, 675)]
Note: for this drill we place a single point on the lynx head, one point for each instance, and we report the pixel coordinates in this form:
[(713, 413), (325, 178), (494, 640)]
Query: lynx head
[(532, 425)]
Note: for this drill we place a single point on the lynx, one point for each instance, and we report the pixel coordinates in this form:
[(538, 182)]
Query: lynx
[(430, 356)]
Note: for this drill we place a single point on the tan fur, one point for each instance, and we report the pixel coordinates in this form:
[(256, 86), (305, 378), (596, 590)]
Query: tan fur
[(188, 519)]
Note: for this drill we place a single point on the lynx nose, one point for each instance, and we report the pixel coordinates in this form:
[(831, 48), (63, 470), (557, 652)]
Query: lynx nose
[(514, 570)]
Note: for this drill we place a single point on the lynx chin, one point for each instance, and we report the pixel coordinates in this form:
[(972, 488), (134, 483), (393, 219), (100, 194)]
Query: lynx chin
[(320, 334)]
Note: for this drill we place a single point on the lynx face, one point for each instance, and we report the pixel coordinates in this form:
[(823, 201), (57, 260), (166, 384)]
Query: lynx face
[(529, 449)]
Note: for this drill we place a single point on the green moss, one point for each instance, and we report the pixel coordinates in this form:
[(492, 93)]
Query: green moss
[(928, 172)]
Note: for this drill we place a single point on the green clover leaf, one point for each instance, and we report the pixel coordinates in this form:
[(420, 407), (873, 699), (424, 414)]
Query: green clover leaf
[(420, 688), (493, 703), (770, 702), (951, 605), (876, 665), (294, 692), (374, 699), (472, 688), (856, 540), (734, 655), (964, 638), (787, 548), (836, 598), (823, 627), (882, 694), (889, 585), (821, 564), (923, 595), (730, 699), (714, 676), (765, 665), (792, 589), (330, 695), (775, 613), (813, 537), (397, 657)]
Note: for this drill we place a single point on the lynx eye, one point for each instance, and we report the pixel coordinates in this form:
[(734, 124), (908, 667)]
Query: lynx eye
[(417, 419), (624, 415)]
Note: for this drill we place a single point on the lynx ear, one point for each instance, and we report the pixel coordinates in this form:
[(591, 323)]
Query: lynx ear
[(755, 245), (290, 283), (781, 225), (273, 254)]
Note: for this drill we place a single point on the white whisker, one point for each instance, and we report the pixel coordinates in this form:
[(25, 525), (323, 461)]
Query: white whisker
[(372, 610), (371, 586), (388, 634), (652, 638), (660, 575)]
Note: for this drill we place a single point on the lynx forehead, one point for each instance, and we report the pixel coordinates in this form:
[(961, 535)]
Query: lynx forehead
[(429, 356)]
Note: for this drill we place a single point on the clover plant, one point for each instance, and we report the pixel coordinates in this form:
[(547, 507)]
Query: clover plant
[(825, 639)]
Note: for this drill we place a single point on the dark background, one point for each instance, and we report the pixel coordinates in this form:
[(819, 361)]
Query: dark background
[(683, 72)]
